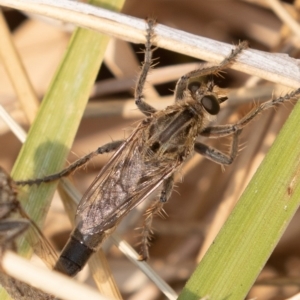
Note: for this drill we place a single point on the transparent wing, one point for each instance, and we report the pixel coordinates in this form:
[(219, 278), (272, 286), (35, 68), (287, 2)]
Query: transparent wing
[(128, 178), (41, 246)]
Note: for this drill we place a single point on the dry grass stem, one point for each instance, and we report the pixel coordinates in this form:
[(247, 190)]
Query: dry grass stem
[(284, 15), (278, 68), (47, 281), (17, 73)]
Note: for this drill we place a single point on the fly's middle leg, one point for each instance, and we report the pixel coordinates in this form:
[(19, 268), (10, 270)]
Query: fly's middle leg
[(107, 148), (154, 209), (216, 155)]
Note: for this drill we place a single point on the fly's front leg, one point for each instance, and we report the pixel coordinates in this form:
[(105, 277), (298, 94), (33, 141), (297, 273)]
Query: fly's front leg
[(224, 130), (216, 155), (195, 75), (144, 107), (155, 208), (110, 147)]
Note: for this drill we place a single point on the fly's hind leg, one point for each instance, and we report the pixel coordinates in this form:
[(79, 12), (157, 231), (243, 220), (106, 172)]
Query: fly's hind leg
[(144, 107), (110, 147), (216, 155), (183, 82), (155, 209)]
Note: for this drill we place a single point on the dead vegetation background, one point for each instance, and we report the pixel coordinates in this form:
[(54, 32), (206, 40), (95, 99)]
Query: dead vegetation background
[(206, 195)]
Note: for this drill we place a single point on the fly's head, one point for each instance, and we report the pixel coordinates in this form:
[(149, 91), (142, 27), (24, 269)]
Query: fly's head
[(205, 100)]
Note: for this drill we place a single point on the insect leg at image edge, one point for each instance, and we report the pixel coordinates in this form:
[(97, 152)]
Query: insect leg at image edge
[(13, 223)]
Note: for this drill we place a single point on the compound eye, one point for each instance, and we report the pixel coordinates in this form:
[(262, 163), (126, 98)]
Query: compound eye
[(211, 104), (194, 86)]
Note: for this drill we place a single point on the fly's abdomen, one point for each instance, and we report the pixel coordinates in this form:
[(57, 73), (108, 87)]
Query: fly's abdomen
[(73, 257), (76, 253)]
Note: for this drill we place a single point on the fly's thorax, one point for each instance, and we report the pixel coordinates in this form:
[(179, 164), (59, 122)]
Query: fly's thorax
[(171, 132)]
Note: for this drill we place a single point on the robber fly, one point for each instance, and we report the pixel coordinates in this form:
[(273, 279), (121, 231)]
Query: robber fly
[(148, 159), (13, 223)]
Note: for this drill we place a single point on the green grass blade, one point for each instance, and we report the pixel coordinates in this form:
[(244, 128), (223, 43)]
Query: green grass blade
[(242, 247), (53, 131)]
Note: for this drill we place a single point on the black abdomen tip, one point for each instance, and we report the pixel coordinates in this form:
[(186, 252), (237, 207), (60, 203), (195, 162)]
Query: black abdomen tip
[(73, 257)]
